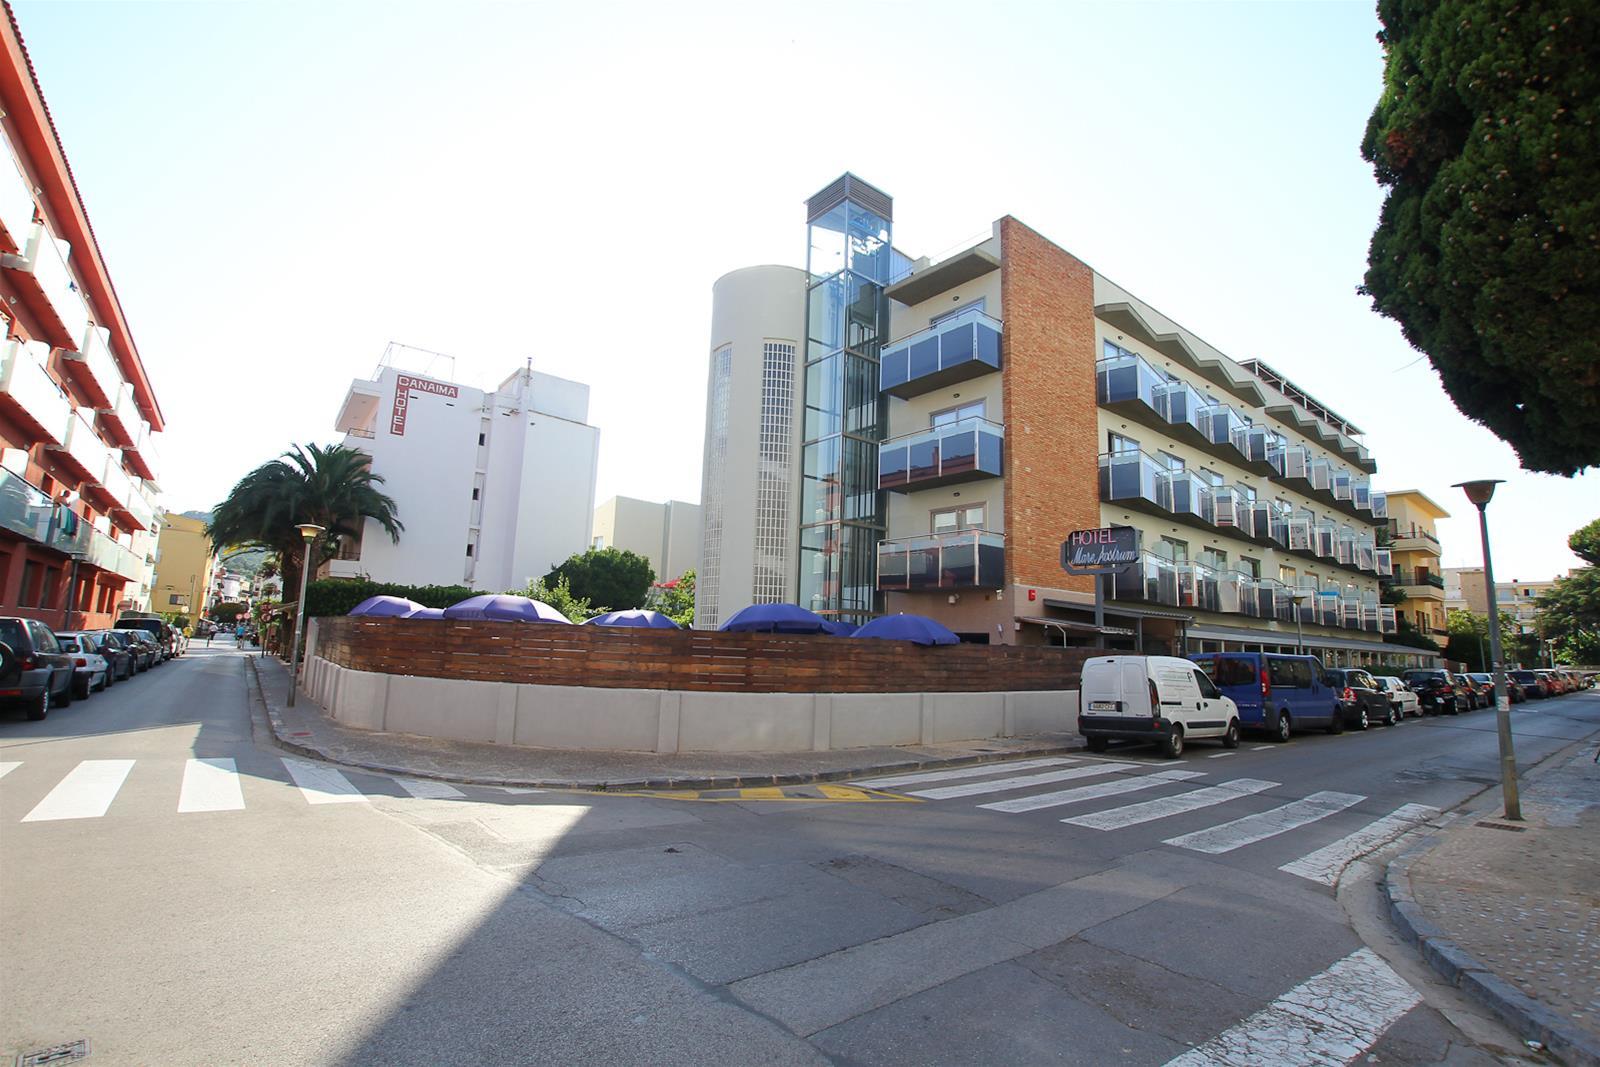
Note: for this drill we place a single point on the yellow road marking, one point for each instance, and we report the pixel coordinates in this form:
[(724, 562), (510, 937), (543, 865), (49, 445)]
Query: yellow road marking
[(766, 792), (819, 793)]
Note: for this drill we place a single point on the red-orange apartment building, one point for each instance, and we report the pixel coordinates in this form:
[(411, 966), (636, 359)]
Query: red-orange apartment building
[(77, 412)]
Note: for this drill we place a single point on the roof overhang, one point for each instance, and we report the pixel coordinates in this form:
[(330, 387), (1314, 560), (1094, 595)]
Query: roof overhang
[(1127, 317), (936, 278)]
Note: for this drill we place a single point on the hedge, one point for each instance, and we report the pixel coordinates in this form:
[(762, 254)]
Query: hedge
[(336, 596)]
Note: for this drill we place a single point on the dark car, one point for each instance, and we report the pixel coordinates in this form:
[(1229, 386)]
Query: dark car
[(1535, 687), (34, 672), (145, 651), (163, 635), (1436, 691), (1362, 701), (114, 646), (1472, 691)]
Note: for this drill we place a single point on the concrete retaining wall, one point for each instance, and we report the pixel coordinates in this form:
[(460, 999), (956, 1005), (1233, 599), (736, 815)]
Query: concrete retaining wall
[(658, 720)]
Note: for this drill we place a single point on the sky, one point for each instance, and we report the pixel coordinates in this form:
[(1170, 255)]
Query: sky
[(280, 190)]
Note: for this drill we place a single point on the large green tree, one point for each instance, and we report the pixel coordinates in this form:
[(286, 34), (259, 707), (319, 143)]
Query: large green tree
[(1585, 543), (1469, 638), (1569, 615), (609, 578), (1488, 249), (677, 602), (333, 487)]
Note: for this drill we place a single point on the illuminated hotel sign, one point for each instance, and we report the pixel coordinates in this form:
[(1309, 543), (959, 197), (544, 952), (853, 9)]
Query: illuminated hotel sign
[(404, 386), (1100, 551)]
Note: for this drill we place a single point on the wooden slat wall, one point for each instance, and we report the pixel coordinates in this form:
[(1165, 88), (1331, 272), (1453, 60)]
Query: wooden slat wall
[(696, 660)]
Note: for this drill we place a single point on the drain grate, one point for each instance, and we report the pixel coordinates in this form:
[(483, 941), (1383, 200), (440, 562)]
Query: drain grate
[(71, 1052), (1502, 826)]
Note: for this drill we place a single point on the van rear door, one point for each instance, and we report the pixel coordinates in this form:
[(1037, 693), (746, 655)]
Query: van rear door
[(1116, 685)]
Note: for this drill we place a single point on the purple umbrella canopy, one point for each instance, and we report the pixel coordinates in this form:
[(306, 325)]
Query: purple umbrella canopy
[(917, 628), (837, 628), (635, 617), (505, 607), (386, 607), (776, 619), (427, 613)]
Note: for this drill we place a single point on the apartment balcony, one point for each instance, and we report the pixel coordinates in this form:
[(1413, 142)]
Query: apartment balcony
[(962, 451), (120, 418), (29, 392), (101, 551), (958, 349), (82, 451), (16, 209), (360, 408), (140, 453), (1380, 505), (115, 487), (969, 559), (93, 370), (1412, 538), (44, 283), (138, 509), (27, 511), (1420, 584)]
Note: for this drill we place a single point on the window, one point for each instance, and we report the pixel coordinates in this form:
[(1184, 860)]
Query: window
[(708, 587), (774, 463), (1286, 575), (950, 416), (475, 492), (1214, 558), (1211, 477), (469, 548), (1173, 463), (483, 439), (970, 305), (1173, 549), (1116, 442), (954, 520), (1207, 690)]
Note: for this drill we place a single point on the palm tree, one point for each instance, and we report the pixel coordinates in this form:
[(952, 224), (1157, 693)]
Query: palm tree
[(333, 487)]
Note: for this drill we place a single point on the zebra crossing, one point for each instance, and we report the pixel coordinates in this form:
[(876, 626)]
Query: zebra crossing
[(1112, 780), (91, 789)]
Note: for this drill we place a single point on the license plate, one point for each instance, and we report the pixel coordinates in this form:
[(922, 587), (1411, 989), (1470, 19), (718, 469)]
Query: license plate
[(1102, 705)]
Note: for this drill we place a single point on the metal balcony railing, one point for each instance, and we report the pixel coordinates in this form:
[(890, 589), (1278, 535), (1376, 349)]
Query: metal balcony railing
[(961, 347), (942, 455), (965, 559)]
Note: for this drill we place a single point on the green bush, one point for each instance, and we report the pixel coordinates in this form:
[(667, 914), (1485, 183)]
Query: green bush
[(336, 596)]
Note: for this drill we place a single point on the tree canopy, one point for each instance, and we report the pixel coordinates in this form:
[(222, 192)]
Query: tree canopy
[(558, 594), (677, 602), (1585, 543), (609, 578), (1569, 615), (1487, 252)]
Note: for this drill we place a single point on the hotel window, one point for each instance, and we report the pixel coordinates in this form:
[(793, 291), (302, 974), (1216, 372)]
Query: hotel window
[(1173, 549), (1211, 477), (950, 416), (1115, 442), (1173, 463), (1252, 567), (774, 471), (1214, 558), (954, 520), (1286, 575)]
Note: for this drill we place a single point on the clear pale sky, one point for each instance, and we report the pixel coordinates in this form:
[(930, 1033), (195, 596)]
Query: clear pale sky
[(280, 190)]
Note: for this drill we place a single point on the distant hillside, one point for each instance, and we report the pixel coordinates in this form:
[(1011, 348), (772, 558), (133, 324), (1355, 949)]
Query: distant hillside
[(248, 562)]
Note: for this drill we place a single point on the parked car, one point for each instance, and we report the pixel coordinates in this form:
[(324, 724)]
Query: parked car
[(90, 670), (146, 652), (1362, 701), (115, 647), (1153, 698), (1276, 693), (1471, 697), (1483, 683), (1401, 698), (1533, 686), (1435, 690), (34, 672), (156, 628)]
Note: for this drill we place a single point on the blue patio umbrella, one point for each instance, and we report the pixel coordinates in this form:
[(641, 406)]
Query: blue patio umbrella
[(427, 613), (635, 617), (385, 606), (505, 607), (918, 628), (776, 619), (838, 629)]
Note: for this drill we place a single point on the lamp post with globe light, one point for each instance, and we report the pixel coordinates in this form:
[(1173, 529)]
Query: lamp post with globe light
[(1479, 493), (310, 531)]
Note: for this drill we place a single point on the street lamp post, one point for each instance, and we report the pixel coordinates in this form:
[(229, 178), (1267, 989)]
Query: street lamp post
[(309, 531), (1300, 596), (1479, 493)]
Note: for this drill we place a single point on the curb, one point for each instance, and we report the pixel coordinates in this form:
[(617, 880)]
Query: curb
[(282, 737), (1526, 1016)]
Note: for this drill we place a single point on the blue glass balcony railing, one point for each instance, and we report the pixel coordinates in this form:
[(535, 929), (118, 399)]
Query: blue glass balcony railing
[(961, 347), (1131, 476), (969, 559), (960, 451), (1127, 377)]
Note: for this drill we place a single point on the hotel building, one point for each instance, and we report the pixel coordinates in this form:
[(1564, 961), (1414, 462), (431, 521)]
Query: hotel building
[(668, 535), (495, 488), (1021, 396), (78, 416)]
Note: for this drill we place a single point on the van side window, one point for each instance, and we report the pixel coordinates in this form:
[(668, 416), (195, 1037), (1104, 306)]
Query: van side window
[(1207, 690), (1302, 674), (1235, 672), (1282, 673)]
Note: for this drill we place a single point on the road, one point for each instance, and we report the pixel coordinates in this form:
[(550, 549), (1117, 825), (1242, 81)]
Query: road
[(178, 890)]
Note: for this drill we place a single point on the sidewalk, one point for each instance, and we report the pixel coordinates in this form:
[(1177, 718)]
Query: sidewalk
[(307, 730), (1510, 912)]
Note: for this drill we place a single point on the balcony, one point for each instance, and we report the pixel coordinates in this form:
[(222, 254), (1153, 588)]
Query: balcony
[(1127, 385), (44, 282), (140, 452), (360, 408), (101, 551), (30, 393), (93, 370), (16, 209), (970, 559), (120, 419), (82, 451), (960, 348), (115, 485), (961, 451), (1412, 538), (1132, 479), (1420, 583)]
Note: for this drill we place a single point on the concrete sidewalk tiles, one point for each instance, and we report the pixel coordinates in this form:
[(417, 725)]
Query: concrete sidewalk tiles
[(1510, 913)]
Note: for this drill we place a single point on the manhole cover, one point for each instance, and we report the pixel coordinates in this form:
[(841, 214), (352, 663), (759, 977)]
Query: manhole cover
[(68, 1053)]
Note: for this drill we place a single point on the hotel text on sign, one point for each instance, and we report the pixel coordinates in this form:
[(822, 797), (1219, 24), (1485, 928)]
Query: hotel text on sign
[(1100, 551), (404, 386)]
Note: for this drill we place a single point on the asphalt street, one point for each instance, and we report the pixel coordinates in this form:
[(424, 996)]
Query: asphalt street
[(175, 889)]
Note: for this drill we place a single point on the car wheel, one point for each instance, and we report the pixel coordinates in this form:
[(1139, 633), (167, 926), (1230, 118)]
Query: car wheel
[(1284, 730), (41, 707), (1172, 747), (1453, 709), (1096, 744), (1231, 738), (1336, 724), (1394, 717), (1363, 720)]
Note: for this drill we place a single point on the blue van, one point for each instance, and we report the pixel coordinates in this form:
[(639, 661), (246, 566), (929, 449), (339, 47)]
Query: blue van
[(1276, 693)]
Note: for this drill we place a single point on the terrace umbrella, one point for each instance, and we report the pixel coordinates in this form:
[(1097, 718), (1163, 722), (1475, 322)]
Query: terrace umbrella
[(917, 628), (776, 619), (635, 617), (505, 607), (427, 613), (385, 607), (838, 629)]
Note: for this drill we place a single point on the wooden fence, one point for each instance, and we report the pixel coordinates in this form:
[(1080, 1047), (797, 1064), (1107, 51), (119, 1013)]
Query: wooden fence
[(696, 660)]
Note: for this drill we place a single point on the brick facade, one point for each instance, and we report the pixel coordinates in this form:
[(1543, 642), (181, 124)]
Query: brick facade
[(1052, 440)]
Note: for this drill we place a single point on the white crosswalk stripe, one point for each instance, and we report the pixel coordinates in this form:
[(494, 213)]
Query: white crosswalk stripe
[(7, 768), (429, 790), (210, 785), (85, 793), (1021, 781), (323, 785), (1330, 1018), (895, 780), (1150, 810), (1327, 863), (1252, 828), (1121, 785)]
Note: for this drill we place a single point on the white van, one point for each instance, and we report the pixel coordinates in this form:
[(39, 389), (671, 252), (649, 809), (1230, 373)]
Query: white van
[(1153, 698)]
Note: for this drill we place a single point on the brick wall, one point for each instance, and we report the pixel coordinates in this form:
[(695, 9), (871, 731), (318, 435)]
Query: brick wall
[(1052, 443)]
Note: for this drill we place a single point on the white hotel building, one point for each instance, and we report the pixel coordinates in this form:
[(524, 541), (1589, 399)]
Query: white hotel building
[(494, 487)]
